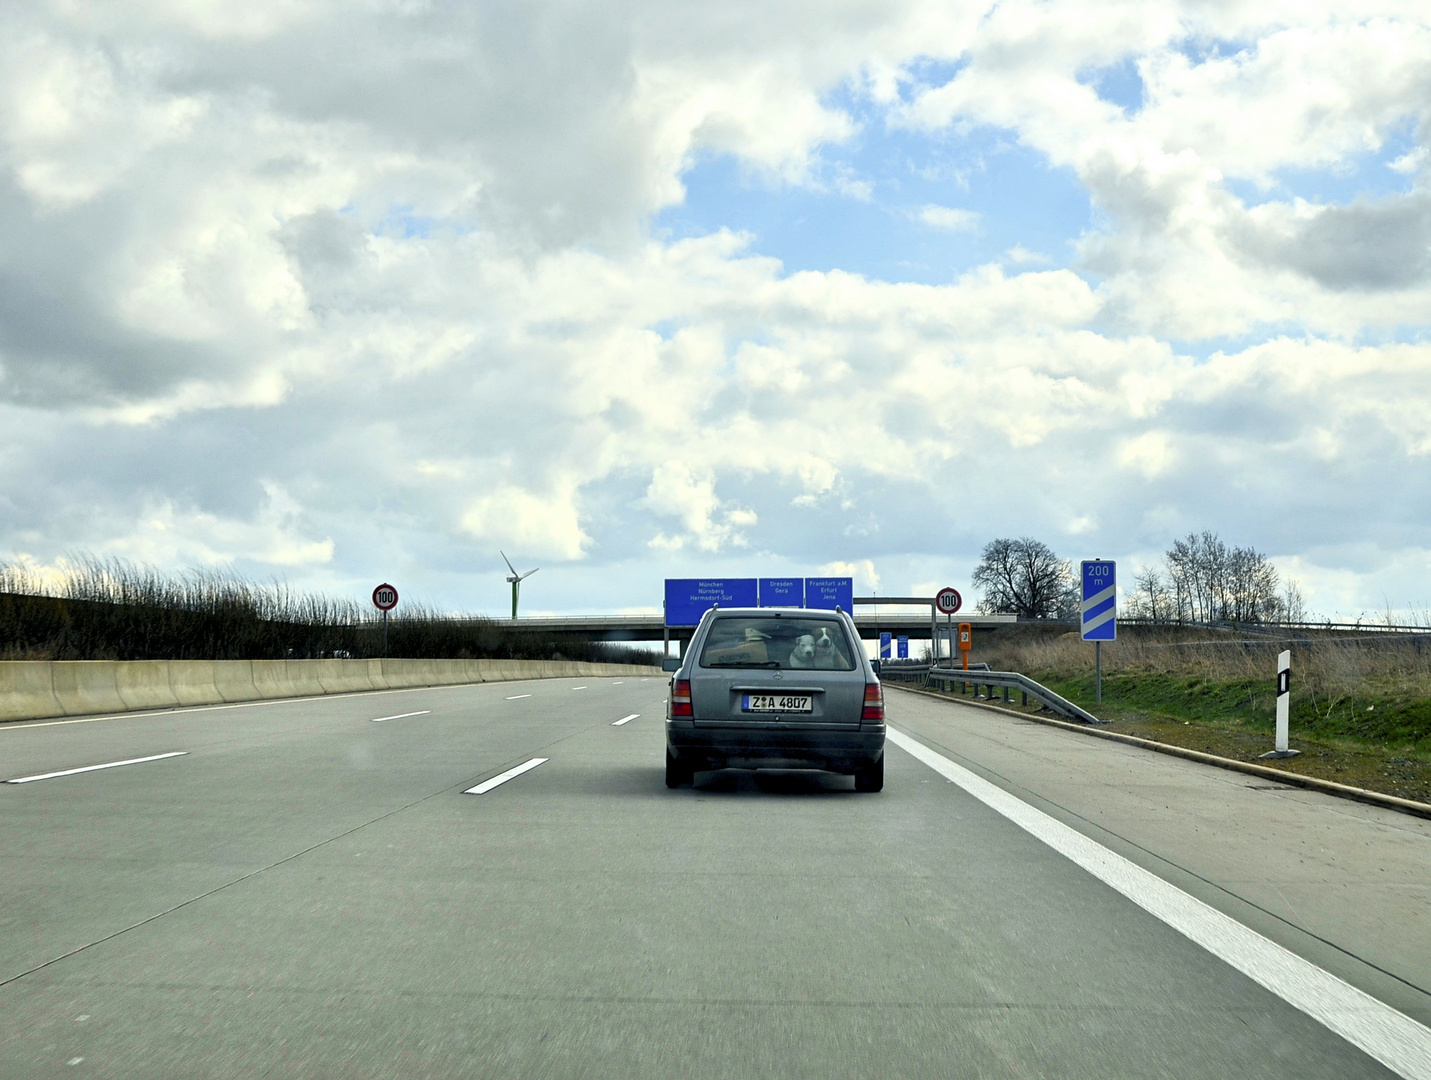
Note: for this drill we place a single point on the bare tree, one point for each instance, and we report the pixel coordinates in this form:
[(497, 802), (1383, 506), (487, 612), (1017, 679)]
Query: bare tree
[(1025, 577), (1294, 604), (1152, 597), (1214, 583)]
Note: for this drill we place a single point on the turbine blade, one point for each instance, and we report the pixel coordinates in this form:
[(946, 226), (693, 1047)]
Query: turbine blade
[(507, 560), (529, 573)]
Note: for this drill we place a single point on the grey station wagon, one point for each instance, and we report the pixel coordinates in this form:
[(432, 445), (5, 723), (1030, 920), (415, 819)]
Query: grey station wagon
[(776, 688)]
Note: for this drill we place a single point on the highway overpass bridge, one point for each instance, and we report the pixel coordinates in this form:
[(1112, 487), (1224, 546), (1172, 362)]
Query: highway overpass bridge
[(911, 616)]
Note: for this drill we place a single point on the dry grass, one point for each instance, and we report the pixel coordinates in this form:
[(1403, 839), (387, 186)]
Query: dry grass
[(1328, 666), (1360, 706)]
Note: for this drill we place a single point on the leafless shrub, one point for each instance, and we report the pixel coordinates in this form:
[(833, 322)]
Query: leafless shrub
[(112, 609)]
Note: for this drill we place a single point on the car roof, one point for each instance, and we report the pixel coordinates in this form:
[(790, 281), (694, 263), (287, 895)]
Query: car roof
[(775, 612)]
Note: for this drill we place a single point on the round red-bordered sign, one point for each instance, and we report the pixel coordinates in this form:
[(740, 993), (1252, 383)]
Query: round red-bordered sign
[(385, 597), (948, 601)]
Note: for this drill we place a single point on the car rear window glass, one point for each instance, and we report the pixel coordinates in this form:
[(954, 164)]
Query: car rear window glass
[(765, 641)]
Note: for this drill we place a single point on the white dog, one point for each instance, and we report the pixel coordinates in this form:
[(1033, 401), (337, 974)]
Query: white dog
[(803, 655)]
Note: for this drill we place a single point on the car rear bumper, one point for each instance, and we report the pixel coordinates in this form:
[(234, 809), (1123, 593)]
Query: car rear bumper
[(788, 747)]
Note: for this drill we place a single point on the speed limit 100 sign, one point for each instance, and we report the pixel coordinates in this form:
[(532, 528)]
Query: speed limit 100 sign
[(385, 597), (948, 601)]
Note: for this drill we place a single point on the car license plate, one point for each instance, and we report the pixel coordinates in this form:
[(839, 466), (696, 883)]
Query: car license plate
[(777, 703)]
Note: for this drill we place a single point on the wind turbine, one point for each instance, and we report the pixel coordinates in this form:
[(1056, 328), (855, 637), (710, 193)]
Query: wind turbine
[(516, 579)]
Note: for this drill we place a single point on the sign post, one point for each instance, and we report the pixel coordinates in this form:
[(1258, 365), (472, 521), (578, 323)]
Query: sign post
[(1284, 703), (385, 598), (1099, 611), (946, 602)]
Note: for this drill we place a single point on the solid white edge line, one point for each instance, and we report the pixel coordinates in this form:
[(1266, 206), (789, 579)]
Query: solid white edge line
[(1392, 1038), (95, 768), (625, 720), (401, 715), (487, 785), (518, 697)]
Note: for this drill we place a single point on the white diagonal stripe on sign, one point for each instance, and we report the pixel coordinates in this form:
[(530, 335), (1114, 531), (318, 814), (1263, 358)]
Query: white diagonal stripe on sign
[(1098, 597), (1098, 620)]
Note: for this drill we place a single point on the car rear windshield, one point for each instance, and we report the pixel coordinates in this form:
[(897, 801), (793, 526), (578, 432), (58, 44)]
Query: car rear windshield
[(766, 641)]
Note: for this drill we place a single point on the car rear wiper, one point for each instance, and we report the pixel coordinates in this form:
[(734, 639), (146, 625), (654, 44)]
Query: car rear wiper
[(745, 663)]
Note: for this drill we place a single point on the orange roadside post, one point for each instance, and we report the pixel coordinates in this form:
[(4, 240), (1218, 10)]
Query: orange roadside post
[(966, 641)]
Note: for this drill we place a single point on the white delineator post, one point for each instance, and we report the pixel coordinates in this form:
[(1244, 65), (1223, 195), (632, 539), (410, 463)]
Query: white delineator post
[(1284, 703)]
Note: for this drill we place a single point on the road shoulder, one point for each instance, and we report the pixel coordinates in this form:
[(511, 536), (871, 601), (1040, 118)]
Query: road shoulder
[(1340, 883)]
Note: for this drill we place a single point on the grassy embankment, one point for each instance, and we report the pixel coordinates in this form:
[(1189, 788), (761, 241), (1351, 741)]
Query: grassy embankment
[(1360, 709)]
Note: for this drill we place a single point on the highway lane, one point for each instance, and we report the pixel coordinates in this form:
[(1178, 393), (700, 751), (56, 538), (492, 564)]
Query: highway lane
[(323, 900), (88, 855)]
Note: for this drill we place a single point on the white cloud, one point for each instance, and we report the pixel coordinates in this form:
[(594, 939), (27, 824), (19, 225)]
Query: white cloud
[(949, 217), (1022, 256), (166, 535), (408, 280), (1150, 454), (540, 526), (676, 490), (866, 577)]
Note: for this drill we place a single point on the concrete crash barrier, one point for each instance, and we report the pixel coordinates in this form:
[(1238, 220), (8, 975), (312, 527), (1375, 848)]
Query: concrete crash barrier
[(36, 689)]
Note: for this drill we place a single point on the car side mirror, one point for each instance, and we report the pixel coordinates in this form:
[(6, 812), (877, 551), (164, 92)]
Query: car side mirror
[(670, 663), (875, 664)]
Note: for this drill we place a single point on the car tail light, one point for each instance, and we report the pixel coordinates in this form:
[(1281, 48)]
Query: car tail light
[(681, 698), (874, 702)]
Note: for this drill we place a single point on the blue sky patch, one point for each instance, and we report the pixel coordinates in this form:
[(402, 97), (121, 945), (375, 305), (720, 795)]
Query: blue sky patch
[(1366, 175), (1120, 84), (1003, 196)]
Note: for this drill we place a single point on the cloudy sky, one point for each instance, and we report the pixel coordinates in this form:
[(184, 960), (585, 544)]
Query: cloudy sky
[(344, 292)]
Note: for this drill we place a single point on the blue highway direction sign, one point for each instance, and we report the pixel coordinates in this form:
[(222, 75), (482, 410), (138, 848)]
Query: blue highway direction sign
[(903, 647), (782, 592), (687, 599), (884, 640), (830, 592), (1100, 600)]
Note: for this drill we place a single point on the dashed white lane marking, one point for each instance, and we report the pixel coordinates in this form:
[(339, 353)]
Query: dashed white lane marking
[(401, 715), (625, 720), (578, 688), (616, 682), (496, 781), (518, 697), (1394, 1039), (27, 725), (96, 768)]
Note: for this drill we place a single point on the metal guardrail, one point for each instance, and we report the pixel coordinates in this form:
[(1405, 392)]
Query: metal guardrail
[(1005, 681), (920, 668), (1275, 626)]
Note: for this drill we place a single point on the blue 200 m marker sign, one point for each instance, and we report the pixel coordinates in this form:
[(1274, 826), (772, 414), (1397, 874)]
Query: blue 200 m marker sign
[(1100, 600)]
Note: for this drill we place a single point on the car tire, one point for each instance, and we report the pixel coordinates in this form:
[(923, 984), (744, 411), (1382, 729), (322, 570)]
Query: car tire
[(871, 777), (676, 773)]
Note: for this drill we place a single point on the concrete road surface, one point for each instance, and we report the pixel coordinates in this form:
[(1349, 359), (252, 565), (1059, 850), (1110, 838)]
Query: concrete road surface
[(308, 892)]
